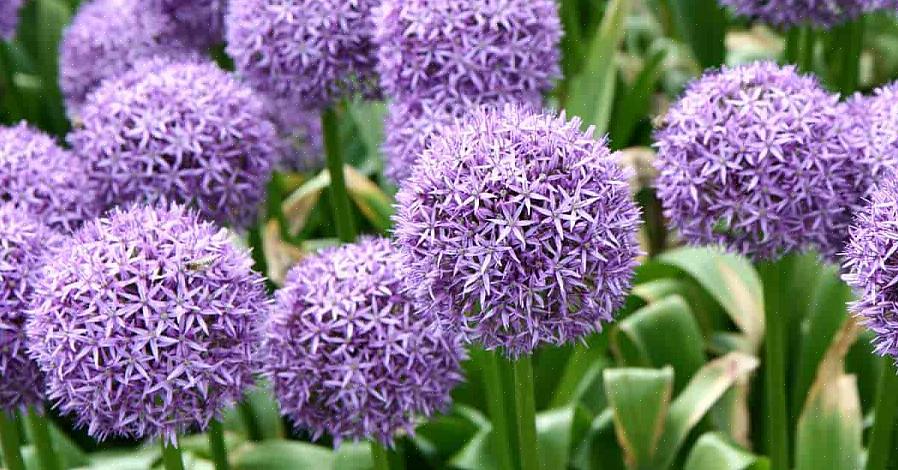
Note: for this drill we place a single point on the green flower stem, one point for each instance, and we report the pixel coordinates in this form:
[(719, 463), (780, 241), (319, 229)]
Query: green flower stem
[(800, 48), (526, 414), (9, 440), (776, 317), (338, 196), (171, 457), (248, 417), (43, 444), (850, 37), (386, 459), (217, 445), (880, 450), (495, 392)]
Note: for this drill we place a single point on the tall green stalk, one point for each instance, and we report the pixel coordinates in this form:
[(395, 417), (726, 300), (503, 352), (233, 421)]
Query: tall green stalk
[(800, 48), (217, 446), (386, 459), (880, 451), (10, 442), (171, 457), (43, 444), (245, 410), (850, 43), (776, 316), (495, 391), (339, 198), (528, 451)]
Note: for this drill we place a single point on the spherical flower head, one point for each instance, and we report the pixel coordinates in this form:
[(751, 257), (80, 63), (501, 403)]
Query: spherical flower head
[(24, 247), (9, 17), (200, 22), (450, 49), (348, 354), (411, 123), (106, 38), (518, 229), (188, 133), (302, 140), (868, 126), (750, 159), (310, 52), (148, 323), (787, 13), (48, 181)]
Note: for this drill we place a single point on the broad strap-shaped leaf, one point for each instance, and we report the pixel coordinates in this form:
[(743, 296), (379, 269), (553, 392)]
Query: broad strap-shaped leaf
[(713, 451), (374, 204), (282, 455), (298, 206), (639, 400)]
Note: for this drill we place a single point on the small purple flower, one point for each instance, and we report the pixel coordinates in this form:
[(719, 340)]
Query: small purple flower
[(786, 13), (186, 132), (106, 38), (448, 50), (200, 22), (24, 244), (308, 52), (9, 17), (750, 158), (346, 351), (519, 228), (147, 323), (48, 181)]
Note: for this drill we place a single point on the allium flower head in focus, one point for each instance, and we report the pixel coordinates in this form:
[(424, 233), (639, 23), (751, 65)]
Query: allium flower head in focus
[(187, 132), (148, 323), (9, 17), (519, 229), (347, 353)]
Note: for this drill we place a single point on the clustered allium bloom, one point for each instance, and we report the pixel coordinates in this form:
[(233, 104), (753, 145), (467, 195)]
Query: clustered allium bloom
[(148, 323), (48, 181), (200, 22), (188, 133), (9, 17), (787, 13), (309, 52), (750, 159), (869, 128), (871, 265), (24, 243), (346, 351), (106, 38), (519, 228), (447, 50)]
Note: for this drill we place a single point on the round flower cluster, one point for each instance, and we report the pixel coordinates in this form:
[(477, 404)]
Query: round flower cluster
[(24, 243), (869, 128), (147, 323), (106, 38), (448, 50), (308, 52), (347, 353), (9, 17), (750, 159), (200, 22), (520, 228), (187, 132), (871, 265), (302, 138), (785, 13), (48, 181)]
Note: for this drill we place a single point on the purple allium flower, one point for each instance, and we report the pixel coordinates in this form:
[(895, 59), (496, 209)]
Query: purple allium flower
[(302, 138), (45, 179), (448, 50), (518, 227), (869, 128), (188, 132), (9, 17), (105, 39), (750, 159), (148, 323), (346, 351), (24, 243), (785, 13), (200, 22), (309, 52)]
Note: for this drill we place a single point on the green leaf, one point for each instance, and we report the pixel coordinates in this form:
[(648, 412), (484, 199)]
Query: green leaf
[(372, 202), (581, 380), (703, 24), (713, 451), (599, 449), (640, 399), (445, 435), (353, 456), (131, 459), (265, 411), (282, 455), (634, 106), (556, 433)]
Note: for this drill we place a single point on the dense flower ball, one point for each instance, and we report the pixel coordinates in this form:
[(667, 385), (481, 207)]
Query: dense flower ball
[(519, 228), (869, 128), (200, 22), (447, 50), (787, 13), (750, 159), (189, 133), (9, 17), (148, 323), (106, 38), (347, 353), (24, 244), (45, 179), (309, 52)]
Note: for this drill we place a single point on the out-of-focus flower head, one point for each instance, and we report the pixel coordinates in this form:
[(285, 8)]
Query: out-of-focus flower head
[(786, 13), (9, 17), (302, 148), (200, 22)]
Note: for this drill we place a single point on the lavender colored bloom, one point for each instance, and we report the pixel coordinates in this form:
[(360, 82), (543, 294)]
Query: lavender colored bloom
[(200, 22), (187, 132), (24, 244), (786, 13), (309, 52), (48, 181), (148, 323), (869, 128), (448, 50), (302, 148), (346, 351), (519, 229), (9, 17), (106, 38), (750, 159)]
